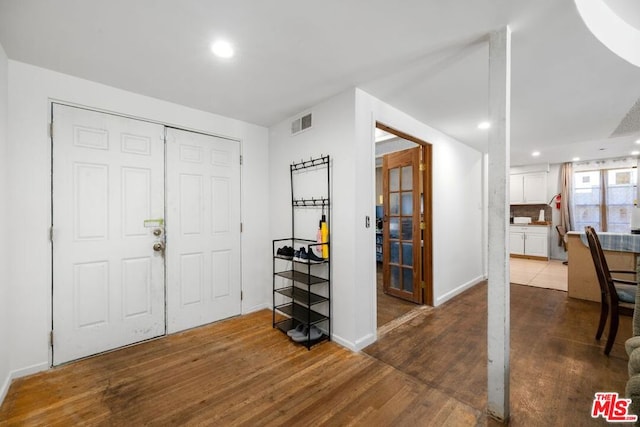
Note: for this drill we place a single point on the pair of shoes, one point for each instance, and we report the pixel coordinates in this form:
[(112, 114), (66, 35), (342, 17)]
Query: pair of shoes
[(285, 252), (298, 330), (312, 333), (309, 257)]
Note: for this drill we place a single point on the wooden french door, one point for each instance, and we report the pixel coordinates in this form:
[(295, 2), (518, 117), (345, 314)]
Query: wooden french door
[(402, 259)]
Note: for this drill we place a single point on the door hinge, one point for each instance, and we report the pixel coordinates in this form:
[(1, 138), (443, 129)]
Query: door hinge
[(51, 234), (422, 167), (51, 130), (241, 227), (241, 295), (51, 338), (423, 285), (241, 159), (422, 225)]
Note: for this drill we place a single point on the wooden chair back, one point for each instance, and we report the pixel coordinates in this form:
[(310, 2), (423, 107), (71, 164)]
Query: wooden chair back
[(607, 287)]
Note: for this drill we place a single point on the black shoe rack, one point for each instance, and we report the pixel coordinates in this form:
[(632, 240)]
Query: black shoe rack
[(302, 289)]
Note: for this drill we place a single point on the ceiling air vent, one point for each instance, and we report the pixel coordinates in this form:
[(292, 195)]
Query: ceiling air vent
[(301, 124)]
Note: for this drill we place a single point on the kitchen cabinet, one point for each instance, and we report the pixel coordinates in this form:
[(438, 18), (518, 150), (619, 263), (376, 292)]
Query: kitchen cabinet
[(529, 241), (528, 188)]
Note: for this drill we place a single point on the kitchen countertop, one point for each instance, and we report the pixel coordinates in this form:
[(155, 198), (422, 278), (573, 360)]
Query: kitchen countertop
[(534, 224)]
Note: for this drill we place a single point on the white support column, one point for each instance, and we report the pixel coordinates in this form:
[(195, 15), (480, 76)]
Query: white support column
[(498, 327)]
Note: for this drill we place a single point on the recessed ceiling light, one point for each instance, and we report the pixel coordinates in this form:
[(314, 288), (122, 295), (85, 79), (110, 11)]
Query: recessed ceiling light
[(484, 125), (635, 153), (222, 49), (535, 153), (575, 159), (637, 141)]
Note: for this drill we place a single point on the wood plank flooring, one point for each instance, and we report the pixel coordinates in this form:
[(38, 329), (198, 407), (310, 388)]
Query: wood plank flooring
[(430, 371), (236, 372), (556, 364)]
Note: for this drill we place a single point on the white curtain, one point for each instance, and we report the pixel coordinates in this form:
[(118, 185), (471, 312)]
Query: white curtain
[(566, 182)]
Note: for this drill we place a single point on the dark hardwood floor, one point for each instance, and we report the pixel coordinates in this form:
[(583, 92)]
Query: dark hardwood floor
[(556, 364), (429, 371)]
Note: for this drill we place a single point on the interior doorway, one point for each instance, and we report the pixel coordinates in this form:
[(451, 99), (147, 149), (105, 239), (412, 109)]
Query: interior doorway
[(403, 223)]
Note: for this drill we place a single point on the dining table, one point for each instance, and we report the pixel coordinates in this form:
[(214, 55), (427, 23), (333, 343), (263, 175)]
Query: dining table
[(621, 251)]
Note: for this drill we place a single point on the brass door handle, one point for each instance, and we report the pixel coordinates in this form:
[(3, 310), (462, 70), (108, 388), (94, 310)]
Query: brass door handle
[(158, 246)]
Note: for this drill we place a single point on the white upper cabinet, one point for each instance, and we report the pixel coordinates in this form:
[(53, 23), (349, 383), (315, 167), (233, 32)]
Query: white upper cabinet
[(528, 188), (516, 189)]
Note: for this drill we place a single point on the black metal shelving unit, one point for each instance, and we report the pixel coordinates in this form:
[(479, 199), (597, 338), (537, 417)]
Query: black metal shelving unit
[(302, 290)]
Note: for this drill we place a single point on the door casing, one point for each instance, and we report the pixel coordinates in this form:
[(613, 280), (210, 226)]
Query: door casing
[(427, 190)]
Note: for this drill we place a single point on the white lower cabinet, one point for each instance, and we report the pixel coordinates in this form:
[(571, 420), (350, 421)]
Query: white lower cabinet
[(530, 241), (516, 242)]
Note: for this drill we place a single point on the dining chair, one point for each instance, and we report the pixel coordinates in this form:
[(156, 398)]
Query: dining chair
[(617, 295), (562, 236)]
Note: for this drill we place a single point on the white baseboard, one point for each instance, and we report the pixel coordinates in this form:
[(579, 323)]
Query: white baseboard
[(5, 388), (365, 341), (33, 369), (344, 343), (460, 289), (358, 345)]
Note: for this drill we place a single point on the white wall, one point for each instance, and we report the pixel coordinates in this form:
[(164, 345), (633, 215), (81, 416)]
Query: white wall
[(553, 188), (4, 252), (30, 90), (343, 127), (332, 134), (458, 201)]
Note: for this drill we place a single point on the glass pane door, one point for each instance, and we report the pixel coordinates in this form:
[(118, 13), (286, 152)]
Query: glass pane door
[(402, 225)]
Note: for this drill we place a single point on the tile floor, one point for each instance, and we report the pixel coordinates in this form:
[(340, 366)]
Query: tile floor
[(550, 274)]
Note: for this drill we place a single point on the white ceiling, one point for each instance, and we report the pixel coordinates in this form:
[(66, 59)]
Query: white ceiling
[(426, 57)]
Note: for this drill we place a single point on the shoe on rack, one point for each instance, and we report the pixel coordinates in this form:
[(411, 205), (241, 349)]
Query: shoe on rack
[(303, 332), (313, 334), (285, 252), (298, 330), (313, 258), (301, 255)]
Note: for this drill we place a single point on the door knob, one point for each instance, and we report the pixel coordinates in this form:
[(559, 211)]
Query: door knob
[(157, 232), (158, 246)]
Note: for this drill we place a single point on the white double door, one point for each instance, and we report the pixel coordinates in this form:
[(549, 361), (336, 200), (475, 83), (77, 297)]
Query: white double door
[(145, 232)]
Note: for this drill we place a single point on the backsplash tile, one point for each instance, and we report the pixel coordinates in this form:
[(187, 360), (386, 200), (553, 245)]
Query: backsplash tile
[(532, 211)]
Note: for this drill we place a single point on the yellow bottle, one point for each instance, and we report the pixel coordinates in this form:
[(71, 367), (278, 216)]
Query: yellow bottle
[(324, 233)]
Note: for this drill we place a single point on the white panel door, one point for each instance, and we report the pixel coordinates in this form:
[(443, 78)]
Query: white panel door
[(203, 223), (108, 282)]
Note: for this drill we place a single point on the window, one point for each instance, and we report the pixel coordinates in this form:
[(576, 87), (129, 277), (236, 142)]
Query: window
[(604, 199)]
